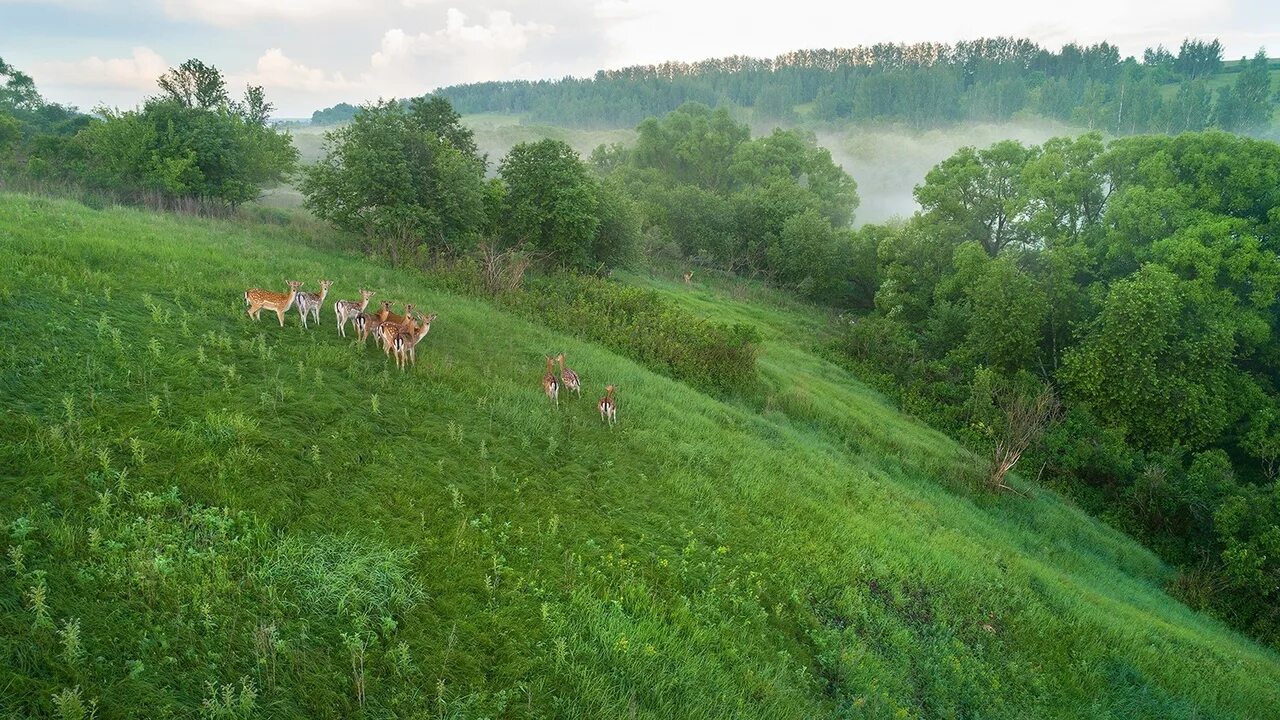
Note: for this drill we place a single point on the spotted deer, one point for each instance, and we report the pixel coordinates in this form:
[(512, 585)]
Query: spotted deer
[(551, 384), (688, 277), (568, 377), (309, 303), (365, 323), (608, 406), (406, 344), (346, 310), (257, 299), (404, 322)]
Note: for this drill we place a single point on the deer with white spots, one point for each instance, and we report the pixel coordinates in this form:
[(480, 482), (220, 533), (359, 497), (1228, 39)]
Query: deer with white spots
[(309, 303), (406, 343), (257, 299), (550, 383), (346, 310), (608, 406), (568, 377), (365, 323)]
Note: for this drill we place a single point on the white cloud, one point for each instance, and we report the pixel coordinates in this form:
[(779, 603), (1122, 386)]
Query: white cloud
[(139, 71), (276, 71), (459, 52), (228, 13)]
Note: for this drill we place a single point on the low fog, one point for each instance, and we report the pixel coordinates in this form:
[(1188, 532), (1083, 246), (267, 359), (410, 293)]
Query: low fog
[(886, 161)]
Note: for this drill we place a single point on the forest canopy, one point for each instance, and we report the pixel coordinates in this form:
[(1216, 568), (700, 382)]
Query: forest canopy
[(920, 85)]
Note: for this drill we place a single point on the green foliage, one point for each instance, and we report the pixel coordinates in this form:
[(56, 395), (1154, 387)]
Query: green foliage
[(1155, 364), (776, 205), (646, 327), (1139, 279), (176, 151), (551, 203), (408, 179), (920, 85)]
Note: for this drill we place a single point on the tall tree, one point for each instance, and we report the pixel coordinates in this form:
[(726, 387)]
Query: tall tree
[(193, 84), (1247, 104), (551, 202)]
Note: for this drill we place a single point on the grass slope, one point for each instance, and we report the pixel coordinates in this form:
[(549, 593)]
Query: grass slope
[(210, 517)]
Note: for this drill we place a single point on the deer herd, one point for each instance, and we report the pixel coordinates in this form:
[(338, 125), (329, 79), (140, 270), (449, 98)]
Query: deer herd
[(400, 334)]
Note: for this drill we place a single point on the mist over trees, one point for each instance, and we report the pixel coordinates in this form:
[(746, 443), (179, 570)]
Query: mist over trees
[(921, 85)]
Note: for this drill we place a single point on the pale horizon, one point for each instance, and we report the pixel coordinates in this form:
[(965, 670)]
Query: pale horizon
[(311, 55)]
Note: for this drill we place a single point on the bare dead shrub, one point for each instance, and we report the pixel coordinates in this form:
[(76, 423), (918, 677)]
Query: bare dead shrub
[(1026, 419)]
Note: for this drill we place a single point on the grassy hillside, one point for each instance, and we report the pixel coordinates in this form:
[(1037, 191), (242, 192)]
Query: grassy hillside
[(211, 517)]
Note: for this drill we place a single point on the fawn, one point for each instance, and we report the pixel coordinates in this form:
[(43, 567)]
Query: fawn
[(346, 310), (550, 384), (608, 406), (310, 303), (688, 277), (569, 377), (365, 323), (257, 299), (406, 343)]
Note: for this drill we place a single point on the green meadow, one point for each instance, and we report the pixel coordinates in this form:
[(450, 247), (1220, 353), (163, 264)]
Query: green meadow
[(208, 517)]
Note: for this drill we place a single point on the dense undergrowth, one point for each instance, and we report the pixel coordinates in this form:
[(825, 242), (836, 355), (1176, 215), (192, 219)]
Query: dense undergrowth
[(210, 517)]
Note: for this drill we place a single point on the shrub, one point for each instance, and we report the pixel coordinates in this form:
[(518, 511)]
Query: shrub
[(642, 325)]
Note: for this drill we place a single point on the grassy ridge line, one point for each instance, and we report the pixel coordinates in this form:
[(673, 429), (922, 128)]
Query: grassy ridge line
[(872, 580)]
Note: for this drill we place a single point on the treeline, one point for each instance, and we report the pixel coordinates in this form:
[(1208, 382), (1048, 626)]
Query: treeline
[(921, 85), (1132, 284), (191, 145)]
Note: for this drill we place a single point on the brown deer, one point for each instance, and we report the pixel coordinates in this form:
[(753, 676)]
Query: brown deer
[(569, 377), (688, 277), (365, 323), (405, 322), (551, 384), (309, 303), (406, 344), (346, 310), (608, 406), (257, 299)]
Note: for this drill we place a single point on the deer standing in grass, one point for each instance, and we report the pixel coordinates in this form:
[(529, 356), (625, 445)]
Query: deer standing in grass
[(608, 406), (385, 331), (309, 303), (688, 277), (366, 322), (257, 299), (550, 383), (406, 343), (568, 377), (346, 310)]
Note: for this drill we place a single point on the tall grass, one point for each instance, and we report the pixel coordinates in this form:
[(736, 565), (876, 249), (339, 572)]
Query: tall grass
[(205, 516)]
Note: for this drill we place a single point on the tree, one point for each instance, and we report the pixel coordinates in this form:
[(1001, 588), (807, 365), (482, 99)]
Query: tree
[(393, 176), (979, 195), (194, 84), (1191, 109), (551, 203), (1156, 363), (255, 107), (1247, 104)]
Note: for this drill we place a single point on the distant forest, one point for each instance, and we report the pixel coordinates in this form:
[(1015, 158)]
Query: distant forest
[(922, 85)]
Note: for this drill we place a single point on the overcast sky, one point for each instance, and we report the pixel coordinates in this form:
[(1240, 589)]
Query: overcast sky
[(314, 53)]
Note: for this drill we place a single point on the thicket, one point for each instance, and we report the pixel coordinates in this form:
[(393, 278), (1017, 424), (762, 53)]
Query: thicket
[(646, 327), (775, 206), (189, 146), (1135, 281), (922, 85), (409, 180)]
